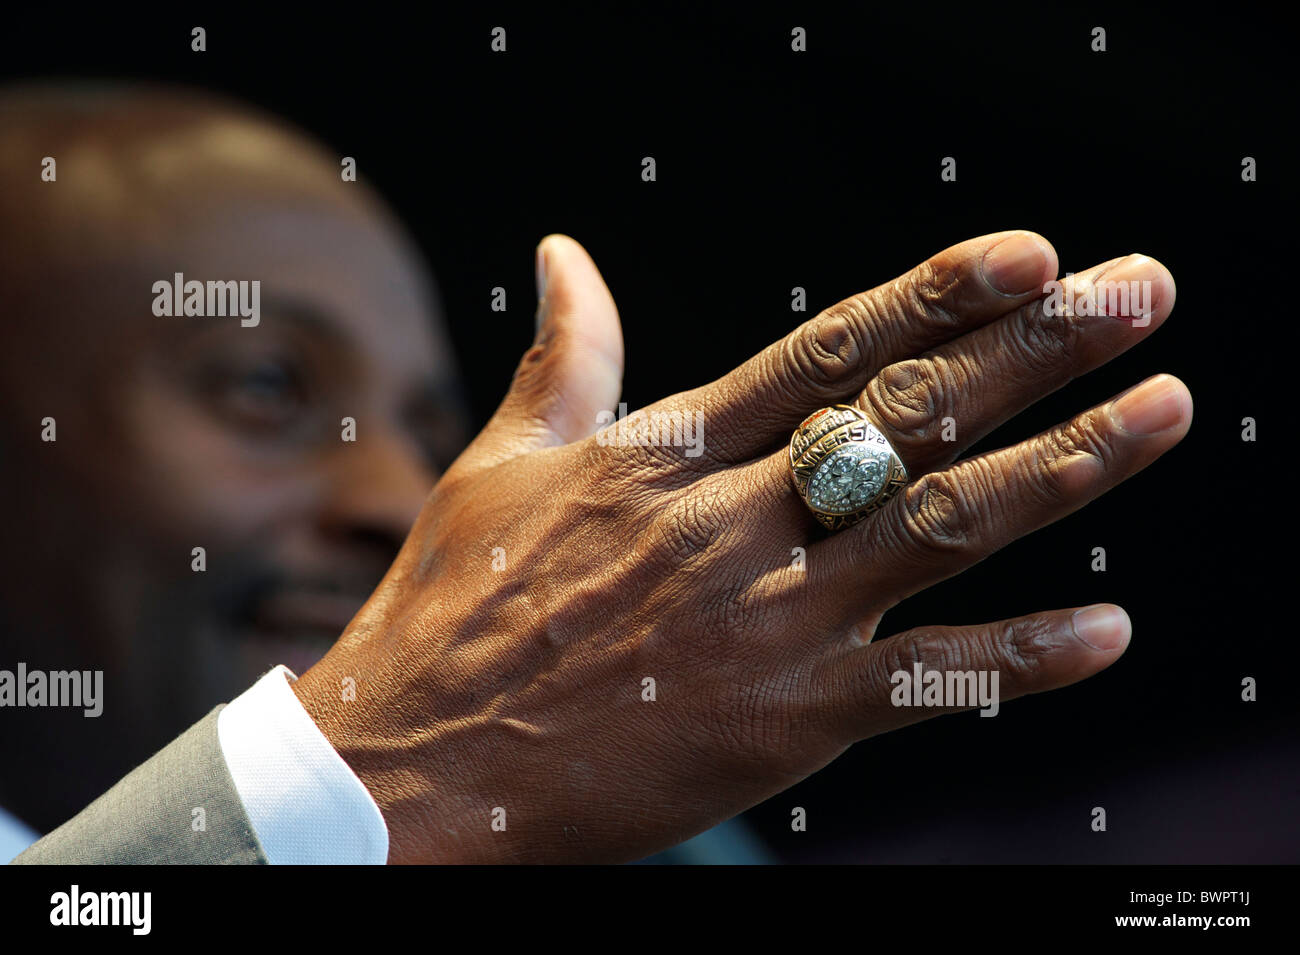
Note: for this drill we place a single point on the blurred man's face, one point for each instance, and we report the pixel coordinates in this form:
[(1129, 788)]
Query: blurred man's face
[(181, 432), (232, 438)]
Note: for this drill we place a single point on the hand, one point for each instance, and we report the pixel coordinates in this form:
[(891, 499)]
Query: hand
[(520, 687)]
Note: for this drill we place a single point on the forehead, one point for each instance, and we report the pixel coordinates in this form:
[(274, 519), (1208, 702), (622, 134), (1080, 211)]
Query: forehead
[(229, 199), (329, 268)]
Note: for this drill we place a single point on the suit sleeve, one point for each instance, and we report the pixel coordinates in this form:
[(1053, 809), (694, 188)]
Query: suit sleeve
[(150, 816)]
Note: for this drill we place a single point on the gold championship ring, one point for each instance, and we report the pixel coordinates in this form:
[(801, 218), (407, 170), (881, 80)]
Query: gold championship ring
[(843, 466)]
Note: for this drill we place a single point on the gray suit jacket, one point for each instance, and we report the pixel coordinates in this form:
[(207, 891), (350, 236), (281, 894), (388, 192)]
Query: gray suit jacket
[(149, 817)]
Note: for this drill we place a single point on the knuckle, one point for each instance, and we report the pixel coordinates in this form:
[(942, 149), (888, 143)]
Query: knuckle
[(925, 293), (1045, 342), (927, 650), (1020, 648), (906, 652), (937, 514), (691, 526), (909, 395), (1061, 449), (1080, 436), (622, 472), (830, 347), (647, 448), (599, 497), (659, 459)]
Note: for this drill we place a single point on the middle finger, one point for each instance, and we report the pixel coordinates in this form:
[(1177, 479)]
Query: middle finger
[(935, 406)]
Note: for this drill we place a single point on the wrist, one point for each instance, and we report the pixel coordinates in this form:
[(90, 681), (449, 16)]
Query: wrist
[(418, 777)]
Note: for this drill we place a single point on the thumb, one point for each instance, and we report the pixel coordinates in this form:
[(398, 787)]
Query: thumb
[(574, 368)]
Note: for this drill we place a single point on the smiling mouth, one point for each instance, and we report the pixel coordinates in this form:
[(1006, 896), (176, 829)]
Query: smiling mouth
[(297, 627), (313, 611)]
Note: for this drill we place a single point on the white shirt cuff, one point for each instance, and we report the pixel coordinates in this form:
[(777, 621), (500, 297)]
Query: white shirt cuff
[(305, 803)]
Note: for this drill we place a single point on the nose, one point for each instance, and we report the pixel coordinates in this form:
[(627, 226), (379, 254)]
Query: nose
[(378, 484)]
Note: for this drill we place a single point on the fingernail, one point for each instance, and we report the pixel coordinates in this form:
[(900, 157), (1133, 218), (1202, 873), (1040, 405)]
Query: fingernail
[(1151, 407), (1139, 294), (539, 270), (1102, 626), (1015, 265)]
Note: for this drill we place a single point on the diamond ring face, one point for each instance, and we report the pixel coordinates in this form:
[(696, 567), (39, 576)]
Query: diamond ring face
[(843, 466), (849, 479)]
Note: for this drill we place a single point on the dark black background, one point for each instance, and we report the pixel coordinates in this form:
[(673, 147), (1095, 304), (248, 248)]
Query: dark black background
[(821, 169)]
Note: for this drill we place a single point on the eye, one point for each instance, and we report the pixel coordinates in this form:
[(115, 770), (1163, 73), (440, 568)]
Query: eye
[(265, 393)]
